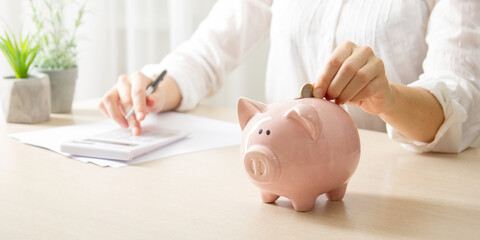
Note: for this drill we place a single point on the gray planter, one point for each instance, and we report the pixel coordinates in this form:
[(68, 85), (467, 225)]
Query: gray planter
[(62, 88), (26, 100)]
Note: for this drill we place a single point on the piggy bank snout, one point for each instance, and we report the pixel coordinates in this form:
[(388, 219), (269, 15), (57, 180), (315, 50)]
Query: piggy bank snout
[(261, 164)]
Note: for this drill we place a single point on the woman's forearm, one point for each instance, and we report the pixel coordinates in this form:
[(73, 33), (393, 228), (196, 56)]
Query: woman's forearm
[(414, 112)]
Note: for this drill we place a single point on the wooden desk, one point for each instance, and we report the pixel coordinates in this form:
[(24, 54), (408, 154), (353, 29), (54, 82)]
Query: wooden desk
[(395, 194)]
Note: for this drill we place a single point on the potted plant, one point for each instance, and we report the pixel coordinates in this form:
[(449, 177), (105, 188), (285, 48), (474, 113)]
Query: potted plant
[(25, 97), (57, 56)]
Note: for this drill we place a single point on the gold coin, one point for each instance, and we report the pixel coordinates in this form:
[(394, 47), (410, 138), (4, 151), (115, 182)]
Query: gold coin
[(307, 91)]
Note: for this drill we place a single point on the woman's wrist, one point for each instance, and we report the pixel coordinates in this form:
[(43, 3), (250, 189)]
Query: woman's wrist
[(392, 101), (172, 95), (414, 112)]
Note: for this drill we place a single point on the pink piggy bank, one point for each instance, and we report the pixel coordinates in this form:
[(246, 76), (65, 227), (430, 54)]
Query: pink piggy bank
[(299, 149)]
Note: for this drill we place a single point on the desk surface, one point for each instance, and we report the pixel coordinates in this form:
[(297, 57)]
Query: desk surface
[(394, 194)]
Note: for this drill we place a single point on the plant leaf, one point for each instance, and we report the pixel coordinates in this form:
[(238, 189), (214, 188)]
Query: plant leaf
[(19, 53)]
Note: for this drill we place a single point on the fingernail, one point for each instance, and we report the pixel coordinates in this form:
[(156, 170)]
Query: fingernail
[(135, 131), (140, 116), (318, 93)]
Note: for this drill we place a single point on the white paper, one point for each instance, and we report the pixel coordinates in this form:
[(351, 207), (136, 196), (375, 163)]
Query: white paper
[(205, 134)]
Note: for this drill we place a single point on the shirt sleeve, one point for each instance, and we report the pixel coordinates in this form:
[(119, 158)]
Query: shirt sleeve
[(221, 42), (452, 75)]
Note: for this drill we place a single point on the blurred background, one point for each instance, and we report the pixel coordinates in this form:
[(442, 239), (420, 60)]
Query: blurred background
[(120, 36)]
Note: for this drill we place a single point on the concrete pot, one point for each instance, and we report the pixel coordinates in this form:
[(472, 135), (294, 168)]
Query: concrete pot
[(62, 88), (26, 100)]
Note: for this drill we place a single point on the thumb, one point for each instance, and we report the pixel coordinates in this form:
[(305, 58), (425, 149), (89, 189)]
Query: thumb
[(156, 101)]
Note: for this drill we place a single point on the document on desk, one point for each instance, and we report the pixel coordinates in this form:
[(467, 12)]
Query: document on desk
[(203, 134)]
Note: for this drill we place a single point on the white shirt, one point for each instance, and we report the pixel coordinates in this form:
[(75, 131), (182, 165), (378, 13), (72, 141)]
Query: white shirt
[(441, 35)]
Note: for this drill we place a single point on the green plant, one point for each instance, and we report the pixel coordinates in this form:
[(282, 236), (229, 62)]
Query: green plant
[(20, 54), (58, 43)]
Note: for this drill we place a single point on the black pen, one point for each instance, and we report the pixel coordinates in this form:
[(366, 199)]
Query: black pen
[(149, 90)]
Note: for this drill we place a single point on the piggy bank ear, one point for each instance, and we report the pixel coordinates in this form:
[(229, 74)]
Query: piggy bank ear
[(307, 117), (247, 108)]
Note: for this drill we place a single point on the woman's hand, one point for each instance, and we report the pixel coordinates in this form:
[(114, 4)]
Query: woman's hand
[(130, 91), (355, 76)]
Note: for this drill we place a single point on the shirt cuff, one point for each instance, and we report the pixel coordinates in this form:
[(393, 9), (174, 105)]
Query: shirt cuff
[(449, 135), (189, 95)]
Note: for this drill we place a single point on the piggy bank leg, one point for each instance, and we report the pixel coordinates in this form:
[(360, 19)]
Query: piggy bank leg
[(303, 204), (269, 197), (337, 193)]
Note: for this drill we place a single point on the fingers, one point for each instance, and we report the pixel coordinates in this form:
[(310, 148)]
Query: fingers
[(344, 76), (102, 108), (352, 74), (339, 55), (139, 84), (134, 125), (130, 91), (111, 107), (157, 100), (368, 90), (124, 91), (117, 102), (362, 77)]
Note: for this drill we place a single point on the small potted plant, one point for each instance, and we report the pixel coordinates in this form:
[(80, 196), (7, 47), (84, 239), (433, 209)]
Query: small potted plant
[(25, 97), (57, 56)]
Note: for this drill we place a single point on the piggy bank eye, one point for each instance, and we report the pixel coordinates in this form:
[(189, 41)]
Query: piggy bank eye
[(260, 131), (268, 132)]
